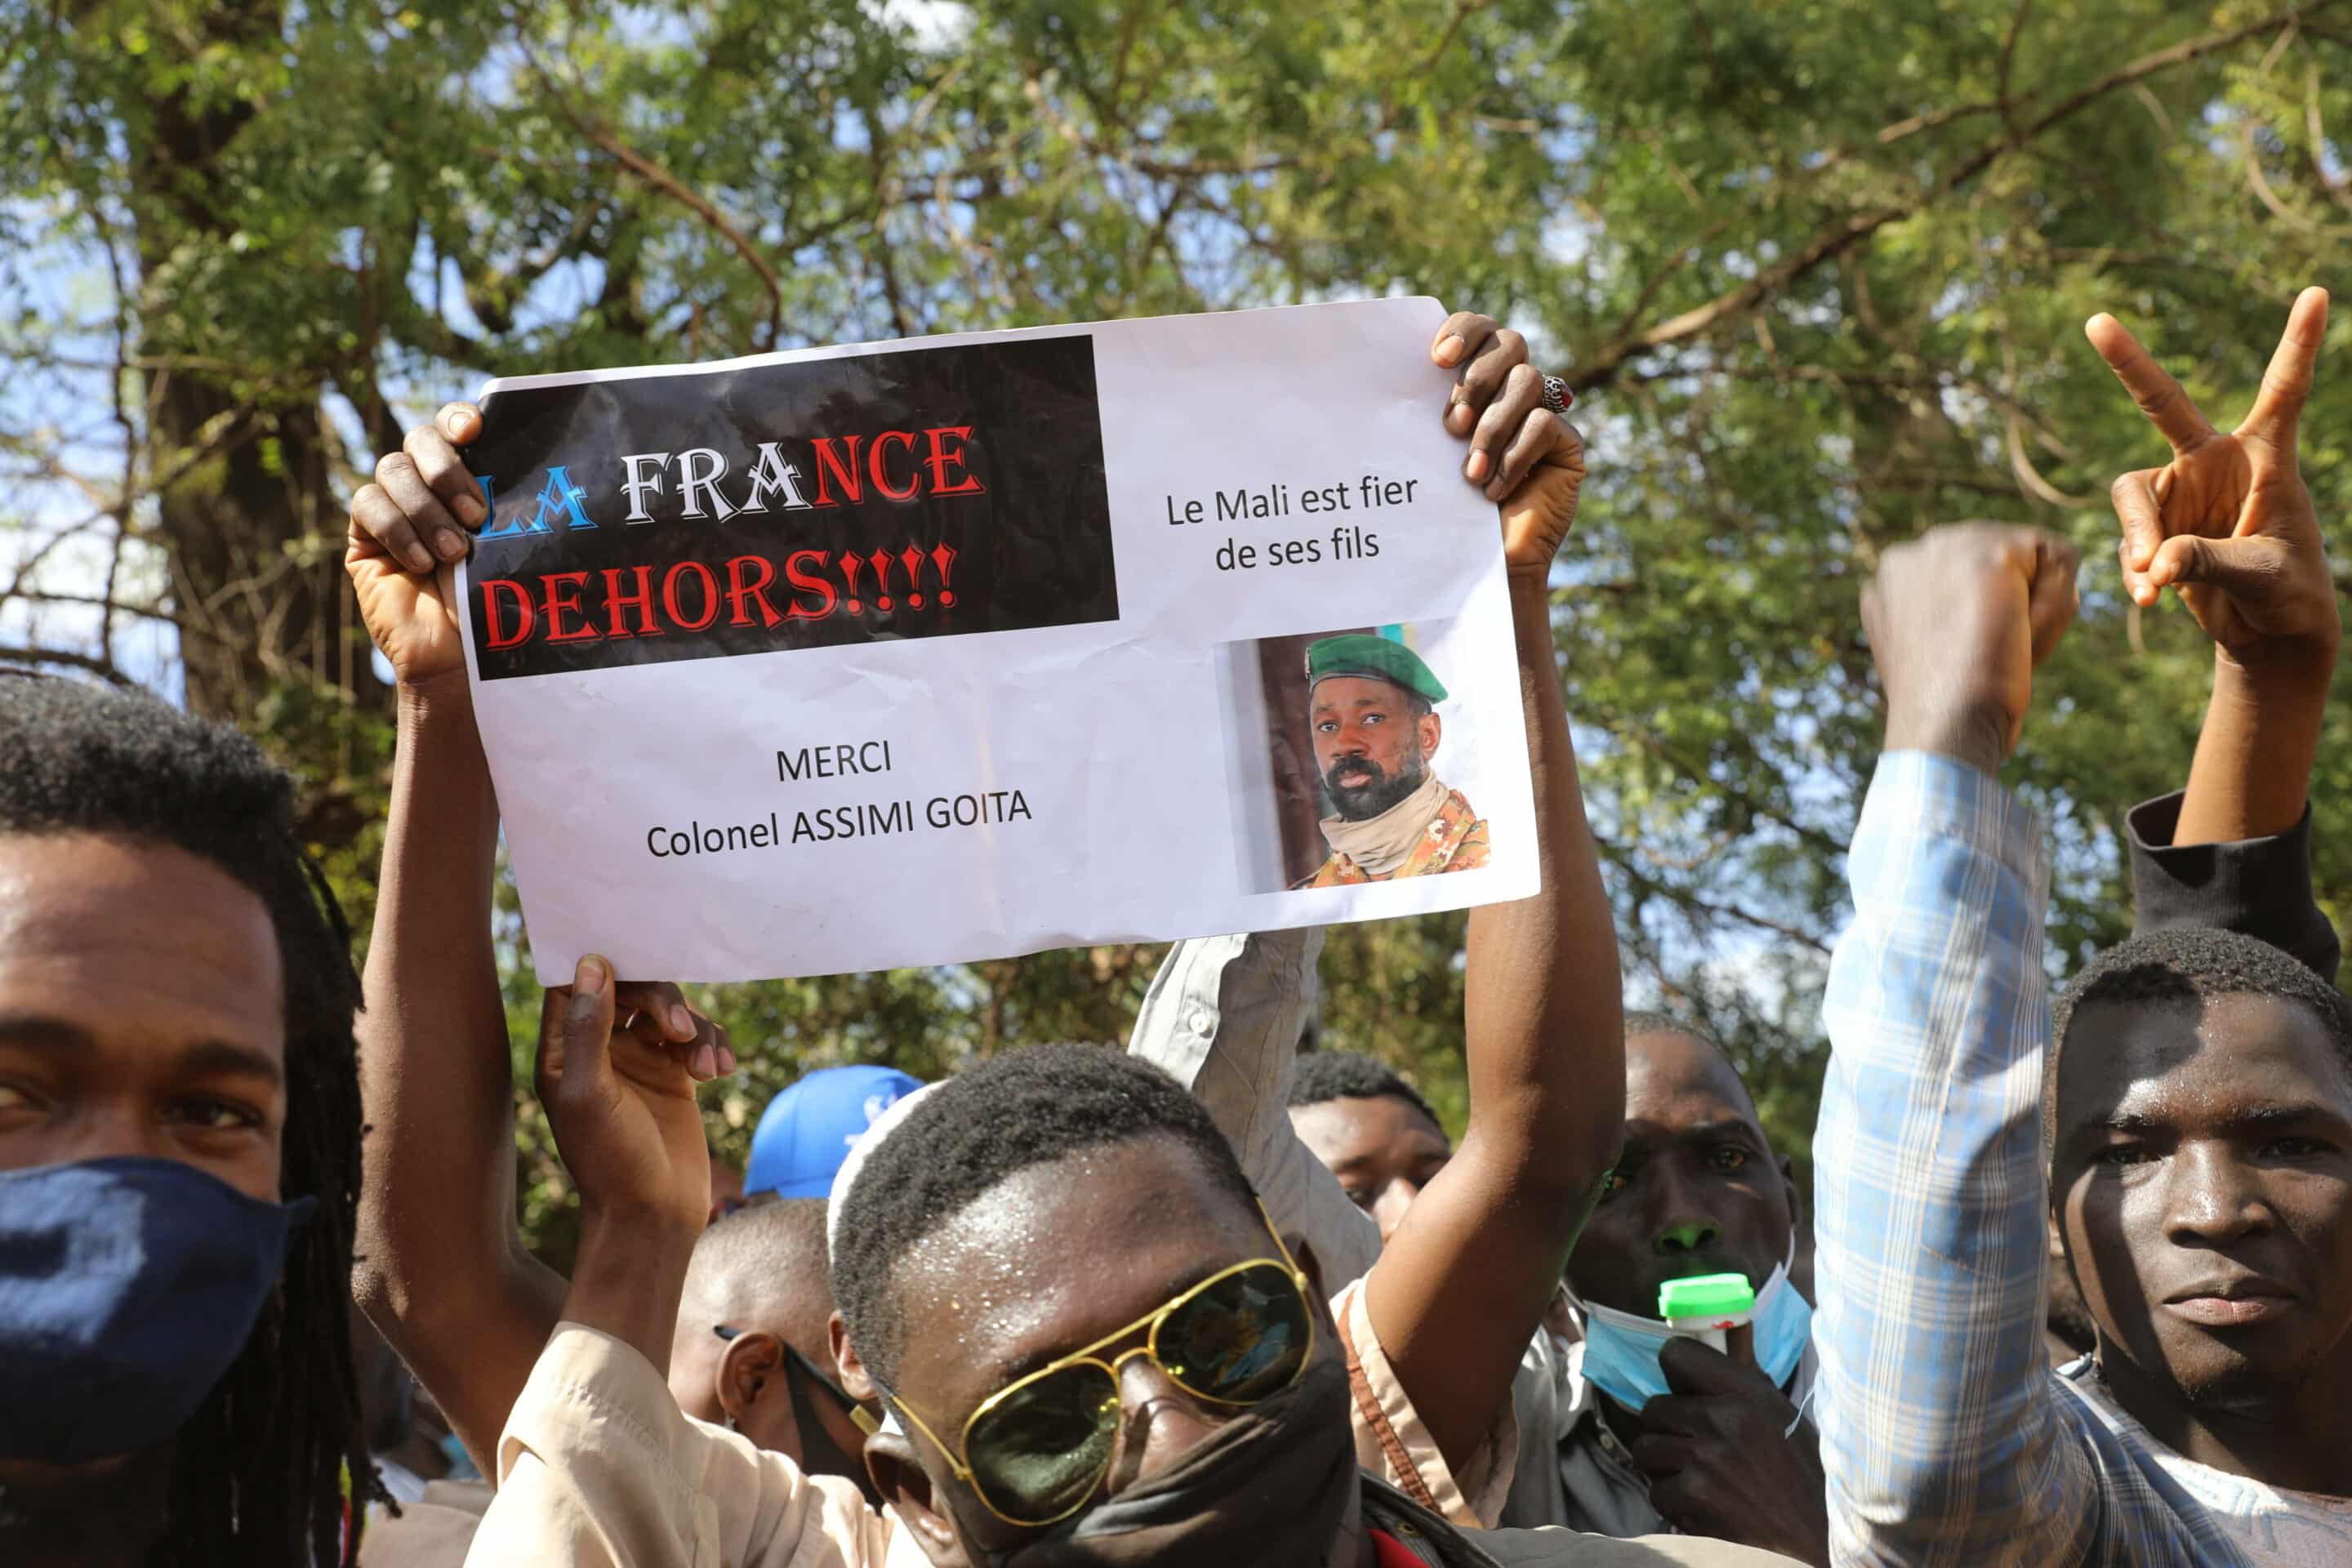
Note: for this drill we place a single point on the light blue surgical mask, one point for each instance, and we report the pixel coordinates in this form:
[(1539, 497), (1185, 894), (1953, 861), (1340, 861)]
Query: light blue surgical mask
[(1621, 1349), (1784, 1327)]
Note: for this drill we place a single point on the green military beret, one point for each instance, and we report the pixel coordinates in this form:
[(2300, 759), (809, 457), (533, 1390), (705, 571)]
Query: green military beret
[(1377, 657)]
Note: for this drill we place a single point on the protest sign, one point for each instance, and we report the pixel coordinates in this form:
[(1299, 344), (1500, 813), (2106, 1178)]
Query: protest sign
[(965, 646)]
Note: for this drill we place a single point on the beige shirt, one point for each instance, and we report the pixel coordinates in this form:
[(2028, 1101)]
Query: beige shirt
[(1393, 1444), (434, 1532), (1381, 843), (599, 1468)]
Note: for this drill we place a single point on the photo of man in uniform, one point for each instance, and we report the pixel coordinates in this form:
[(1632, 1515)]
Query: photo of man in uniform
[(1372, 717)]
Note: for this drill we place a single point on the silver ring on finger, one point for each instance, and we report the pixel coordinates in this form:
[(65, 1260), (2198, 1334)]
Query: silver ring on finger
[(1557, 395)]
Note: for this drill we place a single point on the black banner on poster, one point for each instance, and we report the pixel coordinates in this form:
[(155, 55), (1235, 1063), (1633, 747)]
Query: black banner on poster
[(932, 492)]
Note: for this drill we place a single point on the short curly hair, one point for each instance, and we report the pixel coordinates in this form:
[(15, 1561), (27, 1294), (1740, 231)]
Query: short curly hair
[(1324, 1075), (2187, 964), (1640, 1022), (978, 1130), (2181, 965)]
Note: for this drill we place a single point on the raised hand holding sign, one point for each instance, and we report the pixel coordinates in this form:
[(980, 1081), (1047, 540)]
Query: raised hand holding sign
[(962, 648), (421, 509)]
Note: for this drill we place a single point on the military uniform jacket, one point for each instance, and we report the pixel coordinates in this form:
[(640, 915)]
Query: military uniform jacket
[(1454, 840)]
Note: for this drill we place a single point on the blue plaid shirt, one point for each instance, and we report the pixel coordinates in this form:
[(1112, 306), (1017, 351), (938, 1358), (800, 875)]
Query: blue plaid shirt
[(1946, 1436)]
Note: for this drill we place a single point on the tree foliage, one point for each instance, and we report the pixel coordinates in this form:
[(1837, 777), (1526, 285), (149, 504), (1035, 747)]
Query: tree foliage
[(1817, 269)]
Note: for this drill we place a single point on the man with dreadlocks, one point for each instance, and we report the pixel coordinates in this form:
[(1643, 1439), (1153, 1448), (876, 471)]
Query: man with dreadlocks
[(179, 1150)]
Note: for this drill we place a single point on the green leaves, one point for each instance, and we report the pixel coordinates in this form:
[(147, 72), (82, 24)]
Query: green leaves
[(1817, 267)]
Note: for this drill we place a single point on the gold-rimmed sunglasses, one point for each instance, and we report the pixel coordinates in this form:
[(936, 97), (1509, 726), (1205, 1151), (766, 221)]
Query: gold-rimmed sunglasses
[(1035, 1450)]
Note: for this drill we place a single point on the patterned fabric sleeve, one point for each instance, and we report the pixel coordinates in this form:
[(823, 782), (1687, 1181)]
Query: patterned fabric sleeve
[(1939, 1428), (1475, 850)]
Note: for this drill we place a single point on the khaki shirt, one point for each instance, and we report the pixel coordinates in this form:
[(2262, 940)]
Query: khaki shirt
[(599, 1468), (1393, 1444), (434, 1532), (597, 1452)]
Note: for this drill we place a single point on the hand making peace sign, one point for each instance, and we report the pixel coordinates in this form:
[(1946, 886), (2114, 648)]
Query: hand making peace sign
[(2229, 520)]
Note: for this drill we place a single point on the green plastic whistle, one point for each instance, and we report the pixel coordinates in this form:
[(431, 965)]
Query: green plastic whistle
[(1706, 1295)]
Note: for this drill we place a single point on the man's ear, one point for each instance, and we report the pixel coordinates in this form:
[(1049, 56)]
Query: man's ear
[(856, 1381), (1789, 1180), (1433, 730), (751, 1362), (906, 1488)]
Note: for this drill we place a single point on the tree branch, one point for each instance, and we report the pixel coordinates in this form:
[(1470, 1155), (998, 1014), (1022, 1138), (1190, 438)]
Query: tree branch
[(1463, 11), (1602, 365), (877, 237), (232, 427), (1658, 280), (2259, 183), (131, 442), (1878, 380), (115, 606), (601, 136), (2007, 62), (28, 654), (2339, 191), (1812, 838), (1935, 118), (1646, 886)]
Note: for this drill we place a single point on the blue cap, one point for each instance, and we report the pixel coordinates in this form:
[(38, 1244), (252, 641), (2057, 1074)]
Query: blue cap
[(806, 1131)]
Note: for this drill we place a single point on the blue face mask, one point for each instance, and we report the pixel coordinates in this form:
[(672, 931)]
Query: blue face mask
[(1621, 1349), (126, 1288)]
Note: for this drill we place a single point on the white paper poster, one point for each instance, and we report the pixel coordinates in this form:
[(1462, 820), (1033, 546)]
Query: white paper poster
[(959, 648)]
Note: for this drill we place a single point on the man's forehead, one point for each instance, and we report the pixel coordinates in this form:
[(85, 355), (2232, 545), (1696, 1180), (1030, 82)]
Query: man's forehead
[(1019, 1229), (1675, 1079), (75, 893), (1350, 1118), (1356, 691), (1057, 1255), (2163, 1059), (136, 942)]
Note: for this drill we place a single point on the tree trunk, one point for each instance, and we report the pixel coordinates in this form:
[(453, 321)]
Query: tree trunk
[(253, 531)]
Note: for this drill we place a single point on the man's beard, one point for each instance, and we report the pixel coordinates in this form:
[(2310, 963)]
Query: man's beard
[(1372, 790)]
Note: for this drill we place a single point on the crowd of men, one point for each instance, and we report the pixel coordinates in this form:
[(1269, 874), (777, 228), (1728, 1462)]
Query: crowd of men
[(2074, 1284)]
